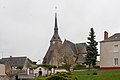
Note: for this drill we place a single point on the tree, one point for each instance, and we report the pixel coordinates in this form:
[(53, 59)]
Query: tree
[(92, 52), (19, 67), (67, 61)]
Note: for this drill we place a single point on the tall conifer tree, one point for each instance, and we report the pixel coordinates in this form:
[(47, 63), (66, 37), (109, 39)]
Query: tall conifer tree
[(92, 52)]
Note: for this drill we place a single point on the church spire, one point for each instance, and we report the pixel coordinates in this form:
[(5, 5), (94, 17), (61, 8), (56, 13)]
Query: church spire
[(56, 36), (56, 26)]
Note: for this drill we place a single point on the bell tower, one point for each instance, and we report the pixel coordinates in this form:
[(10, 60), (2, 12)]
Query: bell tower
[(56, 38), (52, 54)]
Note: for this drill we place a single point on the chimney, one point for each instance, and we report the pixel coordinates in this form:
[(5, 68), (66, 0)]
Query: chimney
[(105, 35)]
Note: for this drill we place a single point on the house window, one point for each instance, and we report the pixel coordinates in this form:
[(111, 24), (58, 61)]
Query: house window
[(115, 48), (116, 61)]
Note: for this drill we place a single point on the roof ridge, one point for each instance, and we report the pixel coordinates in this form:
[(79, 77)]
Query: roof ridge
[(114, 37), (81, 43), (14, 57)]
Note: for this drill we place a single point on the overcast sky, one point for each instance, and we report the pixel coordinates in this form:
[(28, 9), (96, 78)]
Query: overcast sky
[(26, 26)]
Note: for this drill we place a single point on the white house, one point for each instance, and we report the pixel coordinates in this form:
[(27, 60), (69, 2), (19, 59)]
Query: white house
[(110, 52), (44, 71)]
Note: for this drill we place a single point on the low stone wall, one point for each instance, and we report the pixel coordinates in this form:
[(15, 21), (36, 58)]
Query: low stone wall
[(4, 78)]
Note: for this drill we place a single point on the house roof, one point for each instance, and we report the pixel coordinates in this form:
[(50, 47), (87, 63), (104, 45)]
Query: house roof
[(78, 48), (71, 45), (47, 57), (1, 63), (81, 47), (115, 37), (15, 61)]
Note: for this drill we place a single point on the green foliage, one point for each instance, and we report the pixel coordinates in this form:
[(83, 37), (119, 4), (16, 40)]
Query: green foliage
[(48, 66), (88, 75), (40, 78), (60, 76), (26, 79), (79, 66), (33, 67), (19, 67), (60, 67), (45, 65), (66, 66), (94, 73), (92, 52), (97, 67), (101, 75), (53, 66)]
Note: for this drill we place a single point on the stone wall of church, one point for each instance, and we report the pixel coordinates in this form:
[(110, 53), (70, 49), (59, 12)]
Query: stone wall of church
[(66, 53)]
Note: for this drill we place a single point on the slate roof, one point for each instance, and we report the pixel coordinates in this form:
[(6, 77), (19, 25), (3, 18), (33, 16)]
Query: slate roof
[(115, 37), (47, 57), (72, 45), (81, 47), (1, 63), (15, 61), (78, 48)]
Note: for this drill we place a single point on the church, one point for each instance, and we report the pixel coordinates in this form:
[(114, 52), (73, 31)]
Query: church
[(59, 52)]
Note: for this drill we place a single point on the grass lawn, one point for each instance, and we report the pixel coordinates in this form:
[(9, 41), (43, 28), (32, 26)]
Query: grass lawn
[(101, 75)]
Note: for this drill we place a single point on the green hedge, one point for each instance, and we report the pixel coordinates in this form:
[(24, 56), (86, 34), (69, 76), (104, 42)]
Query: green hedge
[(97, 67), (60, 76), (78, 67)]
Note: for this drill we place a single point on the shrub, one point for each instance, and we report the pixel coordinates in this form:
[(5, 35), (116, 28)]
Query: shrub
[(95, 73), (97, 67), (60, 67), (62, 76), (19, 67), (79, 66), (88, 74)]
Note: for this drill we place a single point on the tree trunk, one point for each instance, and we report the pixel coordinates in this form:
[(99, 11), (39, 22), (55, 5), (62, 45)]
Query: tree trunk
[(89, 66), (47, 72), (53, 70)]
